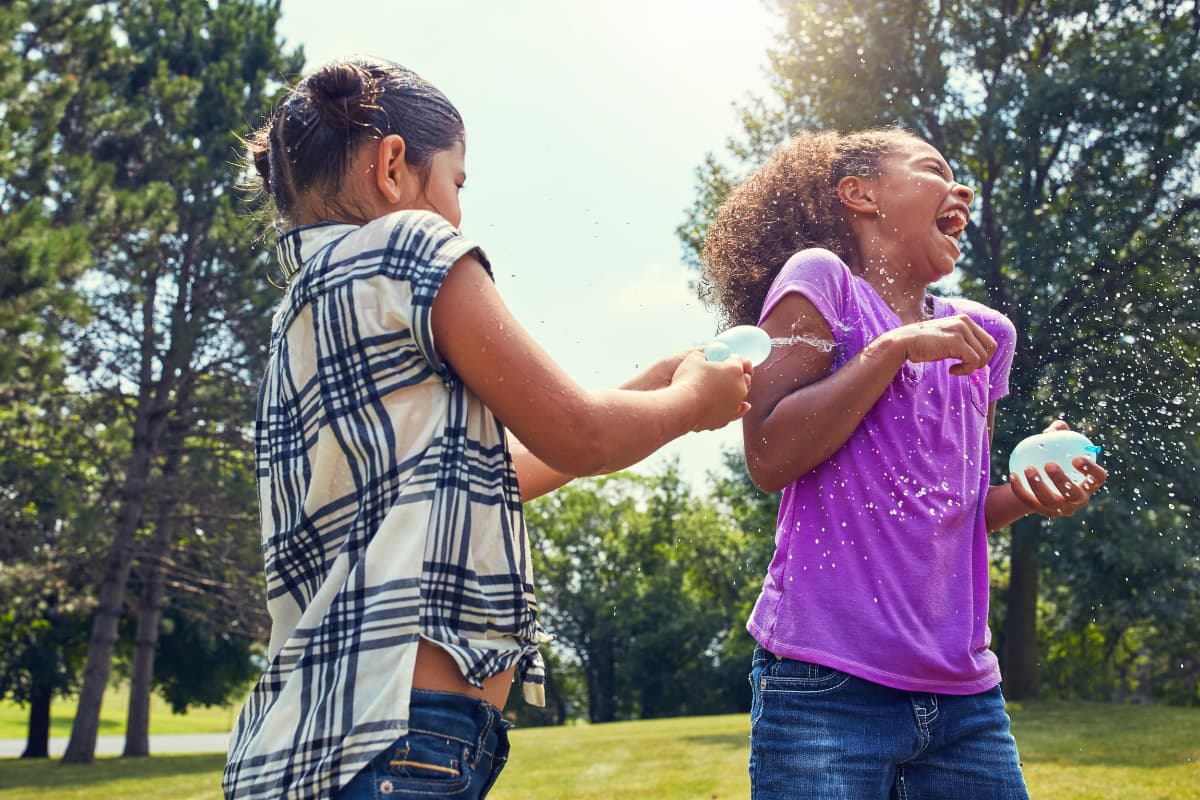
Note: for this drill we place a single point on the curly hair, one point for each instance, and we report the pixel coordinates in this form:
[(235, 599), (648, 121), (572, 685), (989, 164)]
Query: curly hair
[(788, 204)]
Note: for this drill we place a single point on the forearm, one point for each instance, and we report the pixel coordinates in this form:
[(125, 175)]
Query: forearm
[(624, 426), (1002, 508), (808, 425), (537, 478)]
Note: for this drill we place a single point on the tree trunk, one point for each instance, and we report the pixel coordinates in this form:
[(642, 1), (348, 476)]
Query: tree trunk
[(81, 748), (600, 673), (37, 743), (145, 640), (1020, 651), (137, 723), (151, 567)]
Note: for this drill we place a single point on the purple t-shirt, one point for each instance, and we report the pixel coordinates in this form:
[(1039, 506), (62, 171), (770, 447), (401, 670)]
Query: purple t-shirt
[(881, 557)]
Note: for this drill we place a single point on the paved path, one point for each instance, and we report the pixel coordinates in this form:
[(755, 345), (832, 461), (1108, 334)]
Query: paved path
[(160, 745)]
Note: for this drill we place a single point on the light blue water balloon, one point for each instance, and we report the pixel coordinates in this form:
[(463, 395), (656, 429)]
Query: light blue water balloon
[(748, 341), (1060, 447)]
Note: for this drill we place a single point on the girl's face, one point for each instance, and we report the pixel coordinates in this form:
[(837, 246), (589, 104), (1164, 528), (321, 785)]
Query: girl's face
[(439, 190), (923, 209)]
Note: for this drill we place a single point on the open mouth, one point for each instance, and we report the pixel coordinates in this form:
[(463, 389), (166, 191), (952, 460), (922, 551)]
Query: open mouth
[(953, 222)]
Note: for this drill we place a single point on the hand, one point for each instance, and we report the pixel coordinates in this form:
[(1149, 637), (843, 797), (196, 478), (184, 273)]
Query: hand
[(719, 387), (957, 337), (1062, 497)]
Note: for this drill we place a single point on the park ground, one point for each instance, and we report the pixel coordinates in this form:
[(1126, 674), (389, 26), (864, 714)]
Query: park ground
[(1084, 751)]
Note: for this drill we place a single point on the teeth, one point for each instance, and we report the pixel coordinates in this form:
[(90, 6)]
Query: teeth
[(952, 222)]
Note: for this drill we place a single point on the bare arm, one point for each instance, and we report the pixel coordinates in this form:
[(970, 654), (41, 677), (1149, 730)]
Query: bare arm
[(537, 479), (570, 430), (801, 413)]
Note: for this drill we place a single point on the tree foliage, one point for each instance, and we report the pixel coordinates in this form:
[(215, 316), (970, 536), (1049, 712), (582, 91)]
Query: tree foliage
[(130, 266), (1077, 124), (643, 584)]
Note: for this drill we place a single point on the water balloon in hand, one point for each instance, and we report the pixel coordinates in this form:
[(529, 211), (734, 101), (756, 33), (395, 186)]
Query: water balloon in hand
[(747, 341), (1059, 447)]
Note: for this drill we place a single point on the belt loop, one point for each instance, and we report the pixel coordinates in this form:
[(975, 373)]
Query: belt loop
[(489, 713)]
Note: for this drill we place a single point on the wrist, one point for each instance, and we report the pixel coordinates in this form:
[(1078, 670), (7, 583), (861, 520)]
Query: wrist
[(887, 349), (686, 412)]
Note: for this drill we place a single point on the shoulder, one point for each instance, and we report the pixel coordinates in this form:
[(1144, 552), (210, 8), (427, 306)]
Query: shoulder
[(418, 239), (815, 263), (412, 228), (995, 323), (818, 274)]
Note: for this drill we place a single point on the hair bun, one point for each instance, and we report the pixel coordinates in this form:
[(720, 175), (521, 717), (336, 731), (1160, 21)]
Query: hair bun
[(343, 94)]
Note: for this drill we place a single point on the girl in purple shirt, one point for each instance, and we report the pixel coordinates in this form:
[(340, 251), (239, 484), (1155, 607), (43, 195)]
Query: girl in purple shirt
[(873, 677)]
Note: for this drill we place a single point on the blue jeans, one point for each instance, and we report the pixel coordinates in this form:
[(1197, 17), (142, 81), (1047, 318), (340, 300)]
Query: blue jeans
[(819, 733), (455, 747)]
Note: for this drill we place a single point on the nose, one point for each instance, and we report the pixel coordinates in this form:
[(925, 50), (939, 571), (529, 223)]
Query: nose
[(965, 193)]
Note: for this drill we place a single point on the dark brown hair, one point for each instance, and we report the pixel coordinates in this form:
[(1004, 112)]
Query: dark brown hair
[(302, 154), (788, 204)]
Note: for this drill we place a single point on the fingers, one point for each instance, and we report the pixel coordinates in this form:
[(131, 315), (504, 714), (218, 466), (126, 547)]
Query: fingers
[(1021, 489), (1058, 425), (958, 337), (1047, 498), (1094, 474), (980, 346), (1057, 495)]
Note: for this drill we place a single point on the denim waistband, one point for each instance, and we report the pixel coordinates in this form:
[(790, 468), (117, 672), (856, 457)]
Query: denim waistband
[(457, 716)]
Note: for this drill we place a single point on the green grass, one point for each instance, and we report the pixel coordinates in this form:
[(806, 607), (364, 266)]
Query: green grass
[(14, 719), (1070, 752)]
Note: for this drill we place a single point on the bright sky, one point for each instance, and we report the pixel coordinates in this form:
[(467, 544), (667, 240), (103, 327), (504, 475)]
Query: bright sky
[(585, 123)]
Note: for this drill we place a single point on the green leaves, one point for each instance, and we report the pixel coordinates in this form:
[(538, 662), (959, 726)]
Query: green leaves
[(646, 587)]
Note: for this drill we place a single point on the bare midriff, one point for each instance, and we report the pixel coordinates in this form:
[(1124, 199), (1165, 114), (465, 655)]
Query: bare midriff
[(436, 671)]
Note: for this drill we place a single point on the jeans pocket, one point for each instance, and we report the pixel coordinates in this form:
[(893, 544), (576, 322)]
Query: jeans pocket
[(426, 763), (801, 677)]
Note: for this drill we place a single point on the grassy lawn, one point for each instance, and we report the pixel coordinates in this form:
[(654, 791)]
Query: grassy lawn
[(14, 720), (1070, 752)]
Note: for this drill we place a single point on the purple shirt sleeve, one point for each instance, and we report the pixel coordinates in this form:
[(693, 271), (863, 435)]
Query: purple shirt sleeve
[(818, 275)]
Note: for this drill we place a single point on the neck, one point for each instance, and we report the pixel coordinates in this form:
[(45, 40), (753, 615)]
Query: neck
[(907, 298)]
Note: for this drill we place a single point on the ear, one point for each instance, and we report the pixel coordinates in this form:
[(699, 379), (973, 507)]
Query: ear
[(859, 194), (391, 170)]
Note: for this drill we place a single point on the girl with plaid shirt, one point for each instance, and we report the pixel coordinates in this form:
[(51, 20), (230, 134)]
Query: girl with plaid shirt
[(404, 417)]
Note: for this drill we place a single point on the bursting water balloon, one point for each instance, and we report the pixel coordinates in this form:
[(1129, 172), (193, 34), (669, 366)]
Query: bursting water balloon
[(748, 341), (1060, 447)]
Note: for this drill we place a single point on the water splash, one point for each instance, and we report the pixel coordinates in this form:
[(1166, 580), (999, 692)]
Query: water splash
[(823, 345)]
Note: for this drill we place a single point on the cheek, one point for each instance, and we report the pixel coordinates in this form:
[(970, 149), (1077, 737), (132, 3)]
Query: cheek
[(451, 210)]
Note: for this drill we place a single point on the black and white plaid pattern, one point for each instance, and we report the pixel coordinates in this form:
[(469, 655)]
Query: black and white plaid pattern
[(390, 510)]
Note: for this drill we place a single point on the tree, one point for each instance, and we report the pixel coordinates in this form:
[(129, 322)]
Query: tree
[(149, 97), (199, 570), (56, 498), (1077, 125), (41, 634), (640, 582)]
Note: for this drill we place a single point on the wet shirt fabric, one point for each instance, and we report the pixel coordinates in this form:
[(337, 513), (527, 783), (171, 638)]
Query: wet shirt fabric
[(881, 561), (390, 510)]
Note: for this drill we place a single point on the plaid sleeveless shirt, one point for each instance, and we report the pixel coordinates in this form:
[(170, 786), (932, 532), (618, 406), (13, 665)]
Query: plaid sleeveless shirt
[(390, 510)]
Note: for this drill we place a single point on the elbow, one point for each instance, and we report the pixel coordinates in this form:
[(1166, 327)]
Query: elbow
[(767, 477), (768, 484)]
